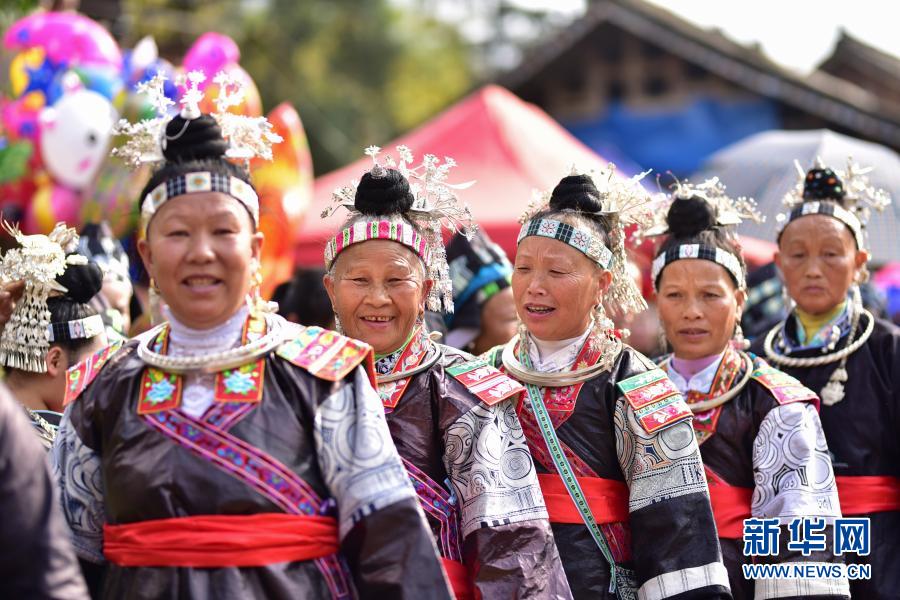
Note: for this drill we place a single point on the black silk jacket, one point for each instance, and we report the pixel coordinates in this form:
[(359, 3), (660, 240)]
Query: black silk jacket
[(863, 434), (670, 537), (329, 440)]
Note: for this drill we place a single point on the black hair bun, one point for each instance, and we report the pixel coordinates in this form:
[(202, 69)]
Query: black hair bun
[(194, 139), (83, 282), (385, 195), (689, 216), (823, 184), (576, 192)]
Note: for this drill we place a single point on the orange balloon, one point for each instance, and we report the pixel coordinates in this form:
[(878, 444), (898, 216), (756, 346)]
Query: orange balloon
[(251, 106), (285, 186)]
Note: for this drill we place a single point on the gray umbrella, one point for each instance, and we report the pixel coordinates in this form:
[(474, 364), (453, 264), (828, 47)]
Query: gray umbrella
[(762, 166)]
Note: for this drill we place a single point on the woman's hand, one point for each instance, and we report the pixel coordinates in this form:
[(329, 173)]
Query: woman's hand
[(9, 295)]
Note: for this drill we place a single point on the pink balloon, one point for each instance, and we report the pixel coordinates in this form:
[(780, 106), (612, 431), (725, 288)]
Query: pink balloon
[(18, 120), (66, 37), (211, 53), (50, 206)]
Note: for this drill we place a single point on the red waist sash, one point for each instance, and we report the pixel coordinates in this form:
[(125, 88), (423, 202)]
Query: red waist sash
[(607, 499), (730, 505), (220, 540), (868, 494), (460, 580)]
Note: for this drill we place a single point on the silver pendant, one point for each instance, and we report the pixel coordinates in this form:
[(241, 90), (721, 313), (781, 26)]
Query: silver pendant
[(833, 392)]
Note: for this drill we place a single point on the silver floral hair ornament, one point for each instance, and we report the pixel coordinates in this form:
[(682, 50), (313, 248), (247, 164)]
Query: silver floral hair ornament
[(626, 206), (247, 137), (846, 195), (38, 261), (435, 207), (728, 211)]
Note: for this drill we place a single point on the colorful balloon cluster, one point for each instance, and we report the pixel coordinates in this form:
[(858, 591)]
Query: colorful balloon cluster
[(69, 84)]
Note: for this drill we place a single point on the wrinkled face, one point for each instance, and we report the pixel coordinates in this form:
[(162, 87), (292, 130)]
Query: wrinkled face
[(201, 249), (699, 306), (556, 288), (498, 321), (818, 258), (378, 290)]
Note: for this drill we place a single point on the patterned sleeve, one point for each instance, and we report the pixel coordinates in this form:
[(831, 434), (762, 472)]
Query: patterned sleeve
[(505, 525), (383, 532), (77, 469), (669, 508), (794, 478)]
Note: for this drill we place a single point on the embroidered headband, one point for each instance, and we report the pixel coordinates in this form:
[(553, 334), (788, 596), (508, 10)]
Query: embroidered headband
[(831, 209), (200, 181), (395, 194), (79, 329), (361, 231), (717, 255), (581, 239), (844, 195)]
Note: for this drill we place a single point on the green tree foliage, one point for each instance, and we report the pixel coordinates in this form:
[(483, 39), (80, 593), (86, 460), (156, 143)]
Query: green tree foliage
[(359, 72)]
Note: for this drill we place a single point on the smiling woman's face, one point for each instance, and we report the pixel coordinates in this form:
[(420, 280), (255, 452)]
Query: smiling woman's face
[(818, 258), (378, 290), (200, 250), (556, 288)]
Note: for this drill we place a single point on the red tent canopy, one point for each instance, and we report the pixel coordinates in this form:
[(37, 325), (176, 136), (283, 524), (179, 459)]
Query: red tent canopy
[(507, 146)]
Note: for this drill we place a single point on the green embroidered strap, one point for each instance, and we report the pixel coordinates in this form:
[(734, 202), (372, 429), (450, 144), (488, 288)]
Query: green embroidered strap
[(568, 476)]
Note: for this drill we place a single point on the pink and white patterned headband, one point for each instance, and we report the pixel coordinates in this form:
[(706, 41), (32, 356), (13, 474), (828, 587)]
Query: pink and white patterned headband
[(382, 229)]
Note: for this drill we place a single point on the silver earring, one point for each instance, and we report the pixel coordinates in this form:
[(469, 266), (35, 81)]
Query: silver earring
[(337, 324), (740, 342)]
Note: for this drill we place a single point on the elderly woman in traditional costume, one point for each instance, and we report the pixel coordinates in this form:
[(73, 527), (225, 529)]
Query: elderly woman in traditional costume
[(617, 459), (759, 432), (837, 348), (226, 453), (452, 417), (52, 327)]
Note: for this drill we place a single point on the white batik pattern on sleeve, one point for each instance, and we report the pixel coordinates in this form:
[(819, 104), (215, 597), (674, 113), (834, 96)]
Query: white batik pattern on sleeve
[(659, 465), (77, 468), (791, 466), (358, 460), (490, 468)]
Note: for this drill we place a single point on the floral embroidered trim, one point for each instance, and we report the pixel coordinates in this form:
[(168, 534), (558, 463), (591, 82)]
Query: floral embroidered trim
[(82, 374), (413, 353), (438, 503), (161, 391), (327, 354)]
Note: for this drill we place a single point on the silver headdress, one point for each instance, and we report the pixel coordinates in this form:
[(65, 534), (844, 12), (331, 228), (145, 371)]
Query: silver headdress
[(626, 206), (435, 206), (850, 198), (247, 137), (38, 261), (728, 210)]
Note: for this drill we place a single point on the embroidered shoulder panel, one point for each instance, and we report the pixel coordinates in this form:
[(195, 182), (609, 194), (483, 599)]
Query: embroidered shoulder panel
[(486, 382), (656, 401), (79, 376), (327, 354), (784, 388)]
